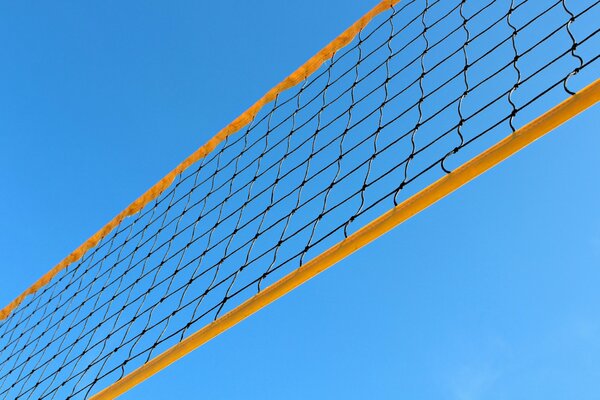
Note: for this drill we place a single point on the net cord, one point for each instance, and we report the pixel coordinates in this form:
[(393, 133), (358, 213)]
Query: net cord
[(516, 141)]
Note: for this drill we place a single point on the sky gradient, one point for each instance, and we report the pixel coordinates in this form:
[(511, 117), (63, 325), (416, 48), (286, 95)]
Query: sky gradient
[(489, 294)]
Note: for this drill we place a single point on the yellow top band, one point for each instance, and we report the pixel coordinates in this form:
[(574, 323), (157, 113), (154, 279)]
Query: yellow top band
[(244, 119)]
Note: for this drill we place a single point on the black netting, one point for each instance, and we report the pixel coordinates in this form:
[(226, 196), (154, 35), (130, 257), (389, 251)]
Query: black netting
[(423, 88)]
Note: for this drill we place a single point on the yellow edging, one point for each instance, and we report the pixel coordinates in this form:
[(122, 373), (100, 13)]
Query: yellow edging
[(244, 119), (434, 192)]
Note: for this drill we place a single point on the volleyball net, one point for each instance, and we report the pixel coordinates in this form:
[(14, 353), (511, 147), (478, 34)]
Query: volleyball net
[(397, 104)]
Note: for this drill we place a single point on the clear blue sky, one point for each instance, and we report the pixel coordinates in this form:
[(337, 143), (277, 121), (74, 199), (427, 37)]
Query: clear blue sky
[(491, 293)]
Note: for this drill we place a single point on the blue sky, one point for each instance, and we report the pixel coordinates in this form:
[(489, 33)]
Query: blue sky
[(491, 293)]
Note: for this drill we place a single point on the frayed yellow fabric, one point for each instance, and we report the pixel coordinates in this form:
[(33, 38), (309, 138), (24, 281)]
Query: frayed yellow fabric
[(312, 65)]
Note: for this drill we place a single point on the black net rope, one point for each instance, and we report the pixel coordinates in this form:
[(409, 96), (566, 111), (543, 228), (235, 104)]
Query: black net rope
[(423, 88)]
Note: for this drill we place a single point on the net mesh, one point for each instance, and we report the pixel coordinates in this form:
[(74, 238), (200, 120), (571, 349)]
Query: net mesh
[(424, 87)]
